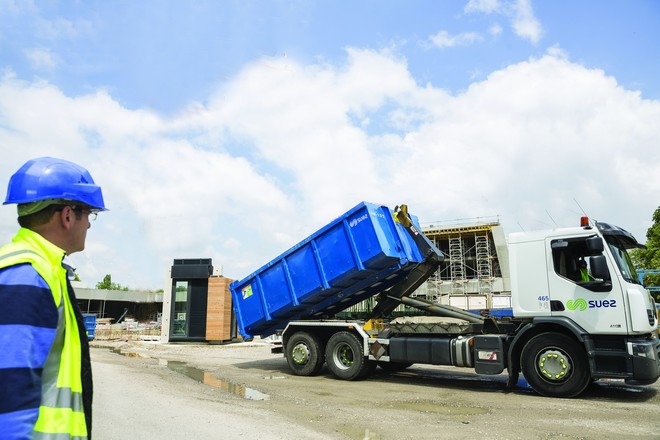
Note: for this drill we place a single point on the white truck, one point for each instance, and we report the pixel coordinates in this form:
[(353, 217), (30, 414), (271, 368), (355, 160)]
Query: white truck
[(579, 312)]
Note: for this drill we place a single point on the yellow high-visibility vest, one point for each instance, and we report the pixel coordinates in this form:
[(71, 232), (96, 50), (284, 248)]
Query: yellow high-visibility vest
[(61, 411), (584, 275)]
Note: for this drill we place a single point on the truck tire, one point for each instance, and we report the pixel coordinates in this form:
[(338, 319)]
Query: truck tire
[(304, 354), (345, 358), (555, 365)]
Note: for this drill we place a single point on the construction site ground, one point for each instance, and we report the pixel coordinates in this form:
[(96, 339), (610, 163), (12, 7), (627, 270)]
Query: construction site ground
[(152, 390)]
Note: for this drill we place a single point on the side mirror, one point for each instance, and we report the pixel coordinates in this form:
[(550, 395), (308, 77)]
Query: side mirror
[(595, 245), (599, 267)]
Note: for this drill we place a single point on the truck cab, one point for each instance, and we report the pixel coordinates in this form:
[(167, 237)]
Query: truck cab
[(580, 283), (588, 277)]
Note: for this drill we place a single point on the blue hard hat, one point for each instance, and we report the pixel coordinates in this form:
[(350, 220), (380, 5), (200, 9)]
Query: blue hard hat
[(49, 178)]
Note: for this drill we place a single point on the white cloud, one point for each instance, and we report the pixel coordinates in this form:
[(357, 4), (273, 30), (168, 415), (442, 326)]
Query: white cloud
[(278, 152), (14, 7), (42, 59), (523, 21), (485, 6), (557, 52), (61, 28), (495, 30), (445, 39)]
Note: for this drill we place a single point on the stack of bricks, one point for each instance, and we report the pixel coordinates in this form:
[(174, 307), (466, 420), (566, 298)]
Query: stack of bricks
[(219, 310)]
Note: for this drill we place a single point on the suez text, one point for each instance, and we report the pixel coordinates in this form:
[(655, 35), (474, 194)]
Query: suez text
[(601, 303), (355, 221), (582, 304)]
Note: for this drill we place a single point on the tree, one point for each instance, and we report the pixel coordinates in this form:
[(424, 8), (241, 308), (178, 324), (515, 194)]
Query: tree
[(107, 284), (649, 258)]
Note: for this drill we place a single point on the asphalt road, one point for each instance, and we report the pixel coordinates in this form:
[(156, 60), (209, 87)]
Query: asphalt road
[(243, 391)]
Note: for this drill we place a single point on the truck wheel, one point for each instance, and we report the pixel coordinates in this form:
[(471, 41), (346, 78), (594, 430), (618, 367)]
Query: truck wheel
[(555, 365), (345, 357), (304, 354)]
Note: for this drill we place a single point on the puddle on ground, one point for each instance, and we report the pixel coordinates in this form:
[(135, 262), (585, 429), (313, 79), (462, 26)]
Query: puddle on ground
[(207, 378)]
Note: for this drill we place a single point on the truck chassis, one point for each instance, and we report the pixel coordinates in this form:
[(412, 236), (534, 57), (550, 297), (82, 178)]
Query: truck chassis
[(555, 357)]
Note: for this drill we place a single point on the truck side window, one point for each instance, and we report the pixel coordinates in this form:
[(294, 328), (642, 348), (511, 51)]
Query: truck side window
[(571, 259), (566, 257)]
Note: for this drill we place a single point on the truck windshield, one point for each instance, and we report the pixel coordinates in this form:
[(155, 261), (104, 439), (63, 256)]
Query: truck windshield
[(622, 260)]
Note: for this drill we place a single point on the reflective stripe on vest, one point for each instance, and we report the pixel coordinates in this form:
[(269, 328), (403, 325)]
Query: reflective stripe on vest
[(61, 413)]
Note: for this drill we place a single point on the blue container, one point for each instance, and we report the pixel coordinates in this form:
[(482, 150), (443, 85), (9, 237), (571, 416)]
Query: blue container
[(494, 313), (501, 313), (90, 325), (354, 257)]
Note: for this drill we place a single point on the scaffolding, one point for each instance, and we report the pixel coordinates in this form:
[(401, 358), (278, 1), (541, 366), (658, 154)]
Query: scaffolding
[(456, 265), (471, 265), (484, 264), (470, 271)]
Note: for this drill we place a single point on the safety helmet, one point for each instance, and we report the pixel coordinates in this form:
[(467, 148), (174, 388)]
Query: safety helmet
[(49, 178)]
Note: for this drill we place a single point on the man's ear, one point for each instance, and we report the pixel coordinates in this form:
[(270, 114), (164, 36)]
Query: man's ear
[(67, 217)]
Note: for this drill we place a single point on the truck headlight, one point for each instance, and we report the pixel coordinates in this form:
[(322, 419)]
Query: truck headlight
[(643, 350)]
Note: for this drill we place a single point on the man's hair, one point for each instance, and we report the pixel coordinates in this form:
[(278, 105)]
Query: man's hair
[(42, 217)]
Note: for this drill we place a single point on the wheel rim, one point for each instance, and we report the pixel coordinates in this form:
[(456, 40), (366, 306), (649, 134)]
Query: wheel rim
[(343, 354), (300, 354), (554, 365)]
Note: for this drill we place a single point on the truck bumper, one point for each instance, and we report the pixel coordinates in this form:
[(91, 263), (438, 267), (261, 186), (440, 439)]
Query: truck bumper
[(645, 355)]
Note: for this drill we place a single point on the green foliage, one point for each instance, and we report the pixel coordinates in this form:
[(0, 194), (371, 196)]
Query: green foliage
[(652, 279), (649, 258), (107, 284), (634, 256)]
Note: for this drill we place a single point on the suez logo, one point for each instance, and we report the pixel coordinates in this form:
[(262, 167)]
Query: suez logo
[(353, 223), (583, 305)]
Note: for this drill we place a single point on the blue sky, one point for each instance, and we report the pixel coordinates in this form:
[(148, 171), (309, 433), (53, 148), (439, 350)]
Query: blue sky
[(164, 54), (208, 122)]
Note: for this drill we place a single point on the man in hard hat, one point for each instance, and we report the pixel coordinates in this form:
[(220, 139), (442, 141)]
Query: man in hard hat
[(45, 370)]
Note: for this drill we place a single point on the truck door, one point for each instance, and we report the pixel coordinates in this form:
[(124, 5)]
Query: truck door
[(596, 304)]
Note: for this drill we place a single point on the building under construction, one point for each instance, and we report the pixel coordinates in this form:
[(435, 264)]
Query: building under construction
[(474, 273)]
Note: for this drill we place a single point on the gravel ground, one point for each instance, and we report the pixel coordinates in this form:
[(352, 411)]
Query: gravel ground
[(254, 389)]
